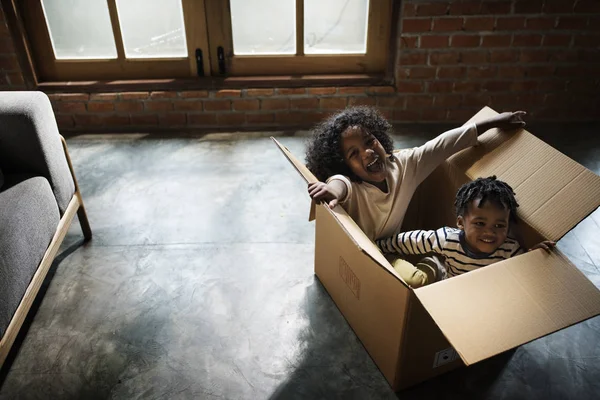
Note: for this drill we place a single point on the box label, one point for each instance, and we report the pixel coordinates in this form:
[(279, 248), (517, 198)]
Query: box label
[(349, 278), (444, 357)]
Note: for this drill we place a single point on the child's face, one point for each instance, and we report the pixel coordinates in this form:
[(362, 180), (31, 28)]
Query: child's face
[(485, 227), (364, 154)]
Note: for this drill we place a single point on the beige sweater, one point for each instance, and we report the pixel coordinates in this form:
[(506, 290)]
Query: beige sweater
[(380, 214)]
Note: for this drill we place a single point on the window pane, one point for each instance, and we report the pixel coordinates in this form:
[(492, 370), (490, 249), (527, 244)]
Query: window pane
[(263, 26), (335, 26), (80, 29), (152, 28)]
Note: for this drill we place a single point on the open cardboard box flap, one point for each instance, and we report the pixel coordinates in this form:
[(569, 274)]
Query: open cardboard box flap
[(504, 305), (353, 230)]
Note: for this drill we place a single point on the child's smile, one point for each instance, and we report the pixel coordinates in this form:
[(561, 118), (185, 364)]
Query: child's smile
[(364, 155), (485, 226)]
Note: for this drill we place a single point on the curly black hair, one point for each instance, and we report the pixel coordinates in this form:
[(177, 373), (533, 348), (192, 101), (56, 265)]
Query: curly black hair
[(490, 189), (324, 150)]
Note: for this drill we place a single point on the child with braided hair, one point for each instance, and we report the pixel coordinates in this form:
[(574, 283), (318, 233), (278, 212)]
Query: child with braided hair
[(484, 209)]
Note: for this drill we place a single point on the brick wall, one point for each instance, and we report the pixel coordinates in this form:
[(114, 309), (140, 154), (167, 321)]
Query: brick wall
[(542, 56)]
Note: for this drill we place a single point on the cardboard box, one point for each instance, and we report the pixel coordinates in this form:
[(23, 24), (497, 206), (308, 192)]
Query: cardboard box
[(415, 334)]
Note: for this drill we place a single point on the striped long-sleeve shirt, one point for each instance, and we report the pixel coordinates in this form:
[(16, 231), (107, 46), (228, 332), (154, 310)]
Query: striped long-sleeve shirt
[(450, 243)]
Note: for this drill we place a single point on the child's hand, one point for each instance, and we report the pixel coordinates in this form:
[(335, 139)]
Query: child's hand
[(546, 245), (320, 192), (510, 120)]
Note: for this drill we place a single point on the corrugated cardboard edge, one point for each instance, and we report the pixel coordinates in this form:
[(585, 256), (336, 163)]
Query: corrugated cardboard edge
[(352, 230)]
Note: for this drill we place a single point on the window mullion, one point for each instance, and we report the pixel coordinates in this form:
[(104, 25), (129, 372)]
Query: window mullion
[(299, 27), (116, 26)]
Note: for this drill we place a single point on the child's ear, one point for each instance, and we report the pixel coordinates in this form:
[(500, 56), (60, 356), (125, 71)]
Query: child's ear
[(460, 222)]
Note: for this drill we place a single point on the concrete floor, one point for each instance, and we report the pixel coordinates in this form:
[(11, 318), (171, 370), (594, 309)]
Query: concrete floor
[(199, 283)]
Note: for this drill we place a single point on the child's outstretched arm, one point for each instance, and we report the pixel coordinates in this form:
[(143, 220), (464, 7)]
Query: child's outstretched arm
[(505, 121), (331, 192), (546, 245), (414, 242)]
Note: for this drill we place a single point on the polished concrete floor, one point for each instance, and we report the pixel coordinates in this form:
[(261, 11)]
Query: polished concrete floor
[(199, 284)]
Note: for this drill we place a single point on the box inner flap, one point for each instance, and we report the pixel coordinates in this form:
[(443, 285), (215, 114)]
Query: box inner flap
[(504, 305)]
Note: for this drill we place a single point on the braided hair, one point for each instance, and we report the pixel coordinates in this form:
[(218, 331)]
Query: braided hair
[(324, 150), (485, 189)]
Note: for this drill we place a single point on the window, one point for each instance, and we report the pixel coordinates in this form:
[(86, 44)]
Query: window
[(78, 40)]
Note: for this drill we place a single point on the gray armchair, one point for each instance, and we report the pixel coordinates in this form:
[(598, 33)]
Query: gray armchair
[(39, 197)]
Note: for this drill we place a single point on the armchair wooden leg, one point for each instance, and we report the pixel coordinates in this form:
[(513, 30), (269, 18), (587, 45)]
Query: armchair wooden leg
[(81, 214)]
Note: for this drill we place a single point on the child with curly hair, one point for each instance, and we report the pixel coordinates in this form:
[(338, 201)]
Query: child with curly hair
[(352, 155), (485, 209)]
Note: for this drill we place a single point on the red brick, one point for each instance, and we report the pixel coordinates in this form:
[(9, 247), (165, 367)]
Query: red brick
[(68, 106), (409, 10), (69, 96), (229, 93), (419, 101), (556, 40), (187, 105), (495, 7), (587, 6), (496, 86), (465, 7), (511, 71), (460, 114), (476, 99), (416, 25), (262, 118), (100, 107), (129, 106), (407, 115), (409, 42), (473, 57), (259, 92), (568, 71), (352, 90), (479, 24), (274, 104), (293, 117), (537, 56), (144, 119), (501, 101), (496, 41), (447, 100), (468, 87), (413, 58), (558, 7), (523, 86), (527, 40), (217, 105), (540, 71), (232, 119), (510, 23), (528, 7), (435, 114), (322, 90), (482, 72), (381, 89), (172, 119), (451, 72), (163, 95), (587, 41), (409, 87), (134, 95), (444, 58), (304, 103), (114, 120), (564, 55), (361, 101), (393, 102), (64, 121), (434, 41), (503, 56), (440, 86), (194, 94), (333, 103), (158, 106), (447, 24), (291, 91), (245, 105), (422, 72), (464, 41), (571, 22), (427, 9), (103, 96), (541, 23), (202, 119)]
